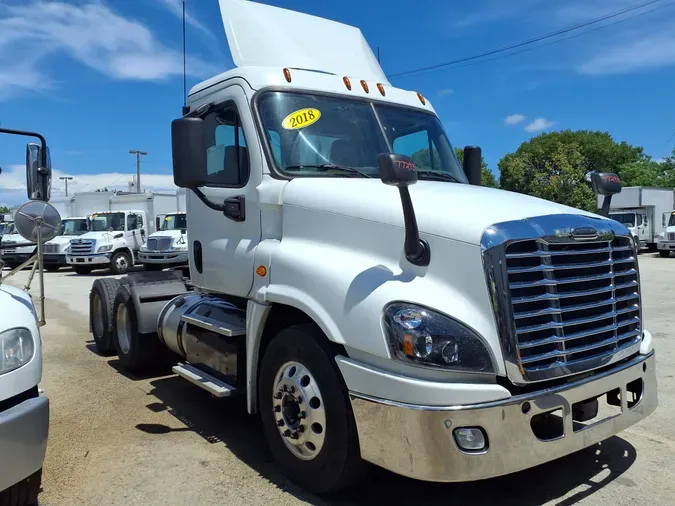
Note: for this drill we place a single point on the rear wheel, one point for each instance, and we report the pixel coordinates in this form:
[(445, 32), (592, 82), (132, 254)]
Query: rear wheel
[(134, 350), (24, 493), (306, 413), (101, 299), (82, 270), (664, 253), (120, 262)]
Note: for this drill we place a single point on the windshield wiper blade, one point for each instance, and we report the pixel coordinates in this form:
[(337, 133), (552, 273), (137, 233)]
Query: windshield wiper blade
[(440, 176), (328, 166)]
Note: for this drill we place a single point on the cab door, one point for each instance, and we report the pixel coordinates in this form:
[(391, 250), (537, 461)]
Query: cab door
[(222, 244)]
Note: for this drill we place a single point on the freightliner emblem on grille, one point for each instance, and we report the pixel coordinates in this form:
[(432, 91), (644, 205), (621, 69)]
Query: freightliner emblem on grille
[(585, 234)]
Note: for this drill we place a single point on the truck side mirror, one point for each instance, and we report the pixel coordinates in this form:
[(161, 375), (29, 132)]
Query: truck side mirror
[(38, 173), (188, 147), (473, 161), (400, 171), (605, 184)]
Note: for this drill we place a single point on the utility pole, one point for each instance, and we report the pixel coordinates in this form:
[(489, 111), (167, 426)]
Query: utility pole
[(138, 167), (66, 179)]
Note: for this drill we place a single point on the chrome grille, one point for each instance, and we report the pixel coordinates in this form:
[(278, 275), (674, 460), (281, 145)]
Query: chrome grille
[(564, 305), (671, 236), (82, 247), (158, 243)]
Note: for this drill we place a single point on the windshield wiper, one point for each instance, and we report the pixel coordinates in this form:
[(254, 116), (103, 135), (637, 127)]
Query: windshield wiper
[(328, 166), (438, 175)]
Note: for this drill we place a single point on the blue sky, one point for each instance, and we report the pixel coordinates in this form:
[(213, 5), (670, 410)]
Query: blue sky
[(100, 77)]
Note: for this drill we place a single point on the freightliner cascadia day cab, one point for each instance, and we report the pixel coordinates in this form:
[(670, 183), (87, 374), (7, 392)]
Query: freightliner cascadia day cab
[(368, 302), (24, 410)]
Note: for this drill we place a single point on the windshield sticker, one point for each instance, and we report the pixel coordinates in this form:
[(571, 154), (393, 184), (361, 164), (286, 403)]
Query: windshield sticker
[(301, 119)]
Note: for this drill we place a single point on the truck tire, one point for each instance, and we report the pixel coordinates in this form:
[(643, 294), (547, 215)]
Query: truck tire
[(305, 410), (52, 268), (101, 299), (24, 493), (664, 253), (82, 271), (153, 267), (120, 262), (134, 350)]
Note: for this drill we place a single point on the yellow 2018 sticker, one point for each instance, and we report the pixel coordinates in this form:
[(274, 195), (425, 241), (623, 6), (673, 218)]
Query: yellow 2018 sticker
[(301, 119)]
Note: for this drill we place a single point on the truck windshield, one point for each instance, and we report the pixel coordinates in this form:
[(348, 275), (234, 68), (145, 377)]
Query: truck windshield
[(311, 135), (8, 229), (108, 222), (627, 219), (174, 222), (671, 222), (76, 226)]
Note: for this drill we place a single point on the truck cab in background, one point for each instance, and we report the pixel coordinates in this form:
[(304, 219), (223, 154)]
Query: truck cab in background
[(16, 249), (168, 247), (113, 242), (667, 237), (55, 250)]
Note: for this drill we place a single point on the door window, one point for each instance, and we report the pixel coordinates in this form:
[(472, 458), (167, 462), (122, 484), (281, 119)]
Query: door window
[(638, 220), (227, 161), (132, 222)]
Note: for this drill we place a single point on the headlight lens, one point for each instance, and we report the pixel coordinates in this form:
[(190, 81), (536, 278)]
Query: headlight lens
[(105, 247), (16, 349), (427, 338), (179, 247)]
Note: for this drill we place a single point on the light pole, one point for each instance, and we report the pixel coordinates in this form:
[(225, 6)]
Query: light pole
[(66, 179), (138, 167)]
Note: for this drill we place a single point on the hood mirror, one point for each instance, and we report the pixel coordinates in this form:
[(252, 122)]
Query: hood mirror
[(606, 184)]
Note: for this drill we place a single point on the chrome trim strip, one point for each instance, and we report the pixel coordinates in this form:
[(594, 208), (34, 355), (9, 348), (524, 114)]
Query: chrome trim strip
[(557, 230)]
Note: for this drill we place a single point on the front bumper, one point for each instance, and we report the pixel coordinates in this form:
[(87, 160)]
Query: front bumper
[(55, 259), (665, 245), (163, 257), (16, 258), (94, 259), (417, 441), (23, 440)]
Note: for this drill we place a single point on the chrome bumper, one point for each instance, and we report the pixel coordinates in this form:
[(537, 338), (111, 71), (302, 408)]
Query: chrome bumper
[(163, 257), (23, 440), (418, 442)]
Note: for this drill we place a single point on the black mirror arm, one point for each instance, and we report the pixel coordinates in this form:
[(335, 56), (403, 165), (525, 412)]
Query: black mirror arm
[(417, 250), (606, 203), (234, 211), (43, 142)]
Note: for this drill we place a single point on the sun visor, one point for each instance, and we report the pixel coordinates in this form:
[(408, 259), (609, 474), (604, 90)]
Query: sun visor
[(263, 35)]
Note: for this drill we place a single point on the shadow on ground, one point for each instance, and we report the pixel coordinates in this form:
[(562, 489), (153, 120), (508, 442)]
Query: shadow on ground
[(226, 422)]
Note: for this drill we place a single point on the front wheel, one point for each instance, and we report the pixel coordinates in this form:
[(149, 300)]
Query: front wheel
[(120, 262), (82, 270), (52, 267), (664, 253), (306, 413)]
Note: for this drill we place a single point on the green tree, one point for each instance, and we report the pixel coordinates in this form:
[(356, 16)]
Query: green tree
[(553, 165), (421, 159), (487, 177), (4, 209)]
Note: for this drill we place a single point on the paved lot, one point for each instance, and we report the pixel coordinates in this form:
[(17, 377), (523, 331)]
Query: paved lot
[(117, 439)]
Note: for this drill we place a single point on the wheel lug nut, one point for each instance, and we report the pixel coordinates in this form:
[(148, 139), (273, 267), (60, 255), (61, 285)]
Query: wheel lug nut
[(277, 409), (287, 433), (277, 395), (302, 415), (285, 388), (291, 389), (280, 423), (299, 399), (294, 435), (301, 428)]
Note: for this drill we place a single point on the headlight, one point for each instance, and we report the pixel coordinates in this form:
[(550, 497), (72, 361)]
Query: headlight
[(105, 247), (180, 247), (16, 349), (424, 337)]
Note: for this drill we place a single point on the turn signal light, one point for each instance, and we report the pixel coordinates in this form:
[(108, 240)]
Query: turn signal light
[(381, 88), (261, 271), (364, 85), (347, 82), (419, 95), (287, 75)]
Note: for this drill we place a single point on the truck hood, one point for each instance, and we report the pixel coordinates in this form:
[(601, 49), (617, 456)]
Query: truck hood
[(174, 234), (442, 209), (99, 237), (13, 299)]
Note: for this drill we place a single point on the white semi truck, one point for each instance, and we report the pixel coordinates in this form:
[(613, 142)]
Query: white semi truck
[(435, 329), (24, 409), (117, 234), (168, 247)]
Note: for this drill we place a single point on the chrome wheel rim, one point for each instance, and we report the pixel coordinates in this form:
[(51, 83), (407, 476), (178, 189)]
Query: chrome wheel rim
[(98, 315), (121, 263), (299, 410), (123, 329)]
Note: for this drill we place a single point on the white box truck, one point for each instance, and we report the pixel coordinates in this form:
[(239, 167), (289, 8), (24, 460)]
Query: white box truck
[(645, 211), (117, 234), (341, 290)]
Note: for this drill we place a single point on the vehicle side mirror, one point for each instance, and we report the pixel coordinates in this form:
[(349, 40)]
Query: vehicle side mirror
[(38, 173), (396, 170), (157, 223), (188, 147), (605, 183), (473, 161)]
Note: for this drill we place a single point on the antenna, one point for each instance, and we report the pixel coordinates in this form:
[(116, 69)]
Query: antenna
[(378, 54), (186, 109)]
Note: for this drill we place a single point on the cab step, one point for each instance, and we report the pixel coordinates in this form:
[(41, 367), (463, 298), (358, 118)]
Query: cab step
[(235, 326), (213, 385)]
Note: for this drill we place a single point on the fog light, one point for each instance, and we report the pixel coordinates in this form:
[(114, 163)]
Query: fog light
[(470, 439)]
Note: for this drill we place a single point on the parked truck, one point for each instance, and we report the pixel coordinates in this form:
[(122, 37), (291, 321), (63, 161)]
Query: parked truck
[(56, 249), (368, 308), (24, 410), (117, 234), (645, 212), (168, 247)]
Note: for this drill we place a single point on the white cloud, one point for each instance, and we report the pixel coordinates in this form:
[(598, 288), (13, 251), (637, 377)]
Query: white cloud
[(514, 119), (92, 34), (13, 183), (538, 124), (176, 8), (445, 92), (494, 11)]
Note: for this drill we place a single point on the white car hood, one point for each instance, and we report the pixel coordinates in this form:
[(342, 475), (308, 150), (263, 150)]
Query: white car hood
[(16, 308), (458, 211), (97, 236)]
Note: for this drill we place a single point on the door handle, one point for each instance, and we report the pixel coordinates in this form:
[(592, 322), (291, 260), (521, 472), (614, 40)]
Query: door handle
[(235, 208)]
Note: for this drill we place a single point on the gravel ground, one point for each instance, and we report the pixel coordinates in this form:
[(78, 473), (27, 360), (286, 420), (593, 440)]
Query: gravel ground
[(118, 439)]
